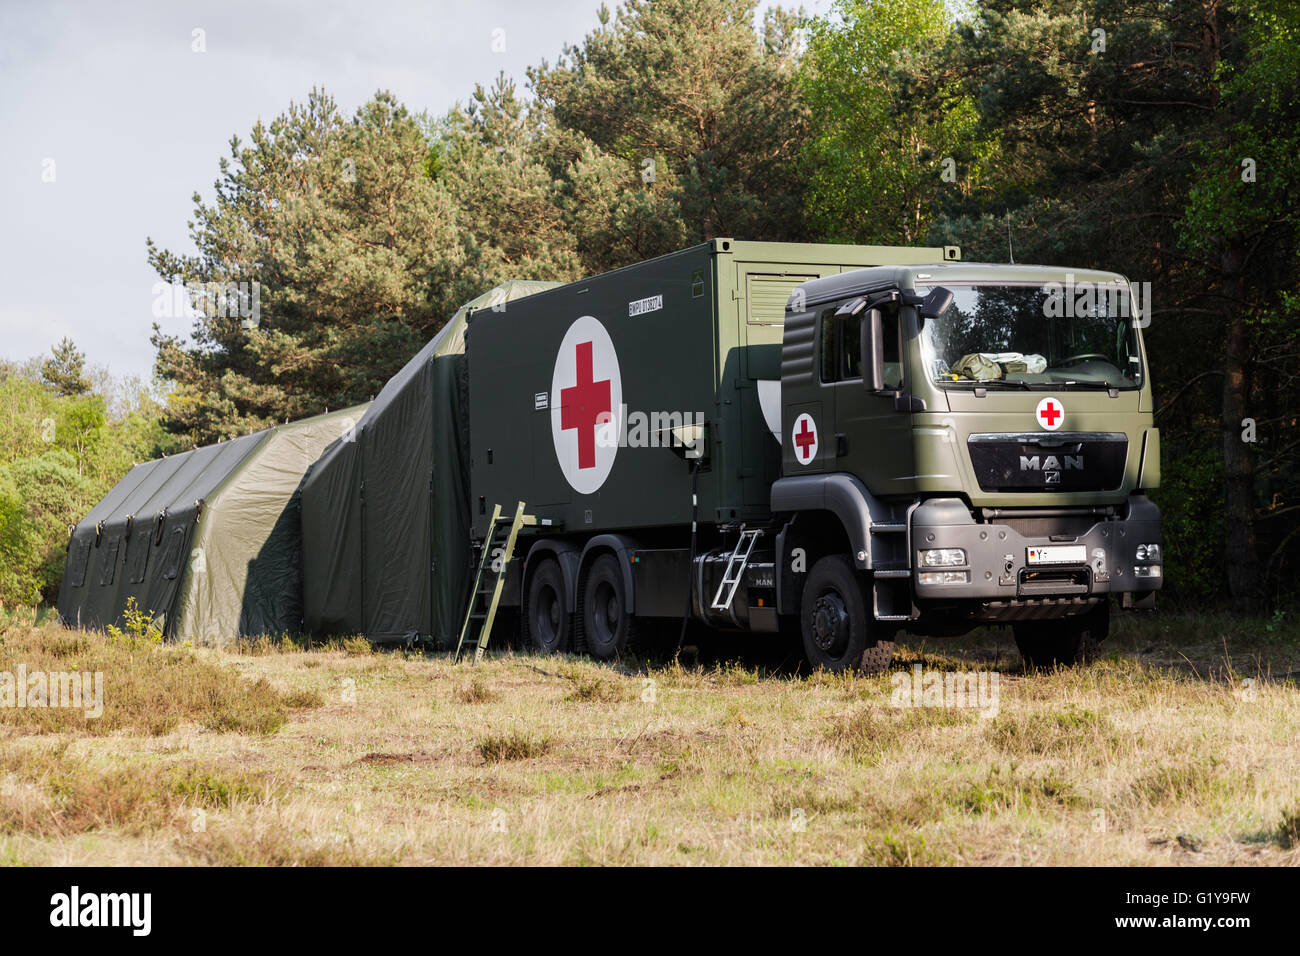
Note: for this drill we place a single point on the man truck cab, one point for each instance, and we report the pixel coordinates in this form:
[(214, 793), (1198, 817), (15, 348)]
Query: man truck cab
[(965, 444)]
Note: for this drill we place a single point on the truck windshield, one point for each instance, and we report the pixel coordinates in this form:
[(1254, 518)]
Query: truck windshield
[(1020, 336)]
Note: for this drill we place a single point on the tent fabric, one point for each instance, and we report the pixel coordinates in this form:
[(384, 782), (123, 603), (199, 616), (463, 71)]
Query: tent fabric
[(386, 520), (207, 542), (135, 542), (253, 546), (331, 541)]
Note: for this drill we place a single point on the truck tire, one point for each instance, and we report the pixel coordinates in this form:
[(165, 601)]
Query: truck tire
[(607, 627), (545, 624), (1067, 642), (835, 623)]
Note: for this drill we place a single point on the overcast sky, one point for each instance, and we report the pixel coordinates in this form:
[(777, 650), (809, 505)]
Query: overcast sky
[(110, 102)]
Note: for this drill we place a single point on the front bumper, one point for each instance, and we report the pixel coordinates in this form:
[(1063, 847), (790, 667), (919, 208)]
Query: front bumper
[(1073, 567)]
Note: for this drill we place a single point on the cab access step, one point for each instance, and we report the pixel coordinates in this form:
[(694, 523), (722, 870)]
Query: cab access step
[(891, 585), (735, 570)]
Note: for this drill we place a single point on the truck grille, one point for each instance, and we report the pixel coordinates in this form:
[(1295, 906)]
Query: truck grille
[(1070, 461)]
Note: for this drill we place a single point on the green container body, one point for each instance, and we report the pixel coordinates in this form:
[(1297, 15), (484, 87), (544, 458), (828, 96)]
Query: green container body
[(694, 333)]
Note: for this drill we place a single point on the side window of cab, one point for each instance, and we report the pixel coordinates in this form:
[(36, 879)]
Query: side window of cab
[(840, 340), (828, 346)]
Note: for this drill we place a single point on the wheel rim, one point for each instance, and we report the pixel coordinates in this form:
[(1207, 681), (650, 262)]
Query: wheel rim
[(607, 612), (546, 617), (830, 623)]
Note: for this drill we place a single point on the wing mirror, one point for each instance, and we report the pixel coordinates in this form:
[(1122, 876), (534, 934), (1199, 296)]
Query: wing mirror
[(872, 354), (936, 302)]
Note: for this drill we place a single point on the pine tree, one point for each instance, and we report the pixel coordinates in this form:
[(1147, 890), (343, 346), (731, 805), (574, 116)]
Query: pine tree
[(682, 102), (353, 250), (65, 370)]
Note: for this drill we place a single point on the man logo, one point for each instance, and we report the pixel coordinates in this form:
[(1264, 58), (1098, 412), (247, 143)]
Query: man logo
[(1051, 466), (1051, 463), (586, 394)]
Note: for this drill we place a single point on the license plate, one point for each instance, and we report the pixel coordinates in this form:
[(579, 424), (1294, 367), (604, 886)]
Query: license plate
[(1059, 554)]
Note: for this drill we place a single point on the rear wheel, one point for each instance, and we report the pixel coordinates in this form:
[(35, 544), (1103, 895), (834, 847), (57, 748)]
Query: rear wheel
[(837, 629), (607, 627), (1065, 642), (546, 624)]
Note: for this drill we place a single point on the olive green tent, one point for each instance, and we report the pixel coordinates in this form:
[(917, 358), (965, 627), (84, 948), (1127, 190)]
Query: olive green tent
[(207, 542), (385, 518)]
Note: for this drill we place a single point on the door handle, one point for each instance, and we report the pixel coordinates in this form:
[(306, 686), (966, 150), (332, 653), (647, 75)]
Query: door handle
[(907, 402)]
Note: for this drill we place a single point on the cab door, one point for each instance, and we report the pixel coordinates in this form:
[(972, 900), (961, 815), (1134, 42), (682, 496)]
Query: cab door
[(872, 439), (808, 444)]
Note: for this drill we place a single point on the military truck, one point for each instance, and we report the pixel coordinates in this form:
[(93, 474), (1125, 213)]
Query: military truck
[(834, 442)]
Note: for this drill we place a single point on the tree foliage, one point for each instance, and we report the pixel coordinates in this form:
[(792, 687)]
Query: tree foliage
[(65, 369), (887, 138), (691, 86), (59, 454), (354, 253)]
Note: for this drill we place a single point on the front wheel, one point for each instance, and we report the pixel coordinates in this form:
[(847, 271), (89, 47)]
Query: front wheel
[(835, 624), (1066, 642)]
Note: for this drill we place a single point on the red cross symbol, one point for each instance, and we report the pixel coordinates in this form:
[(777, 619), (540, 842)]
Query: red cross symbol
[(584, 405), (1049, 412), (805, 439)]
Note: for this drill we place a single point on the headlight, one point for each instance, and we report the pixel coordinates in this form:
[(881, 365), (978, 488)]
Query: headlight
[(1148, 552), (943, 577), (1147, 571), (943, 558)]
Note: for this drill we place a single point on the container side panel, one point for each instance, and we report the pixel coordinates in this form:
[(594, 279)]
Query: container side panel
[(635, 348)]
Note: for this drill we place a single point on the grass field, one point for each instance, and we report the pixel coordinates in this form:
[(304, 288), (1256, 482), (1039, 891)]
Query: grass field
[(1179, 747)]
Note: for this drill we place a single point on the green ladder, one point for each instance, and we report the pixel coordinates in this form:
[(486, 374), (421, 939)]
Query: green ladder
[(488, 584)]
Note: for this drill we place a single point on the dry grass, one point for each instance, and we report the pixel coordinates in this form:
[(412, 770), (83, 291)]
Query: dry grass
[(147, 689), (1178, 747), (48, 792), (475, 691), (1289, 829), (594, 688), (513, 746)]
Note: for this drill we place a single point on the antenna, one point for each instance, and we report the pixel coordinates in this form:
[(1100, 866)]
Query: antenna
[(1011, 252)]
